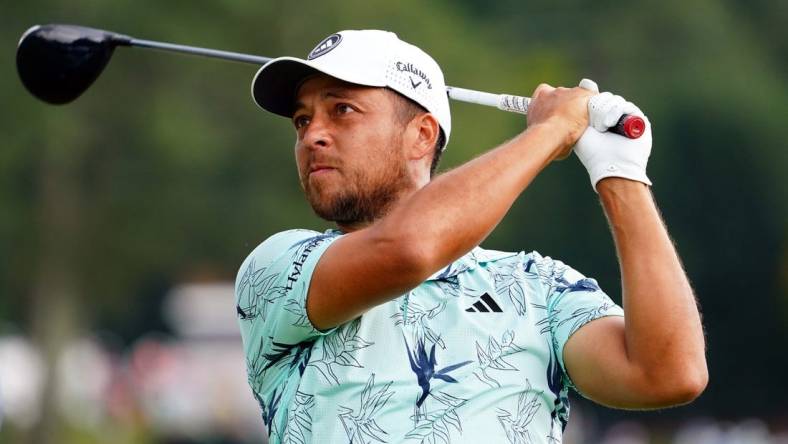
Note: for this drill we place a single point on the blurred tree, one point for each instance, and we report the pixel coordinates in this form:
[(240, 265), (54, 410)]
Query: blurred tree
[(710, 74), (166, 171)]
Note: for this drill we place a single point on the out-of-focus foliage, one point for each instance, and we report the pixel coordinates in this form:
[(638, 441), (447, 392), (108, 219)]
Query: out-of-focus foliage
[(166, 171), (711, 77)]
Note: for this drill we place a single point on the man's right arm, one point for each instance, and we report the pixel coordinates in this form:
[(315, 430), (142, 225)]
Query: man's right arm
[(445, 219)]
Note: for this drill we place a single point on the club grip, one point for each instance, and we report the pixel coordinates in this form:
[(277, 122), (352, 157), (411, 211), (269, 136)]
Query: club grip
[(630, 126)]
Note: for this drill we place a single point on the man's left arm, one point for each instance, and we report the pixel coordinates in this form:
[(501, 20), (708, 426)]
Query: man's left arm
[(654, 356)]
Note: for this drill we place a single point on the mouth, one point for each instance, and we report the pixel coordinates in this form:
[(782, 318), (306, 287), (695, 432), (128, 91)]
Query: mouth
[(320, 169)]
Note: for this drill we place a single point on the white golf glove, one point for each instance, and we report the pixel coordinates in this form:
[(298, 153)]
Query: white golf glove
[(606, 154)]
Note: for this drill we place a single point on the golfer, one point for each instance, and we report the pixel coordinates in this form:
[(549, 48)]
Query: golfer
[(395, 326)]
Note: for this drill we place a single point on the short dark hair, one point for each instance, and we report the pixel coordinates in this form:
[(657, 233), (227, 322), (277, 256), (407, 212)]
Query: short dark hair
[(406, 110)]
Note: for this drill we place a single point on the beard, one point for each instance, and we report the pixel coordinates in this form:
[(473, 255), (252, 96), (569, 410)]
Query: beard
[(364, 199)]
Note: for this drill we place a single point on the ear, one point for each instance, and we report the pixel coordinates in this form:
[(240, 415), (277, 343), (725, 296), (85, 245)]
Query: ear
[(426, 129)]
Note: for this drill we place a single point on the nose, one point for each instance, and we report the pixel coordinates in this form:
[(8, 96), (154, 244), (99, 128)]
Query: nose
[(317, 133)]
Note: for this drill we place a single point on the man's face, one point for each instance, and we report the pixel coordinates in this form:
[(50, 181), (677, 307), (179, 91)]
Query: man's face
[(349, 151)]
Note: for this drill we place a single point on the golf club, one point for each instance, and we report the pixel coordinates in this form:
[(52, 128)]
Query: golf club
[(57, 63)]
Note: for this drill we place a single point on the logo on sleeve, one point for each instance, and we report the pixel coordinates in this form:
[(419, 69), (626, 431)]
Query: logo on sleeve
[(304, 248), (325, 46)]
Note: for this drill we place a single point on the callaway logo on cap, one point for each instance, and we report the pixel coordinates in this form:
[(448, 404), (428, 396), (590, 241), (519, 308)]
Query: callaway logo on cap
[(369, 58)]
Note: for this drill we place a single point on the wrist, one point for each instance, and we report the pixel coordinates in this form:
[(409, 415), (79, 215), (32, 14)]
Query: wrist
[(619, 188), (553, 137), (628, 205)]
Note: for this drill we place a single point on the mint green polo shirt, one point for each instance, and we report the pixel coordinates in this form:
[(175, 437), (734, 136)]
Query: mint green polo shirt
[(473, 354)]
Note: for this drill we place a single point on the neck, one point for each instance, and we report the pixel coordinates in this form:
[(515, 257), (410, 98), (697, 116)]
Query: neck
[(403, 195)]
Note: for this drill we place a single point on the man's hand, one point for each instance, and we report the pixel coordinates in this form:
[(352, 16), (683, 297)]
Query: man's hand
[(564, 110), (606, 154), (656, 358)]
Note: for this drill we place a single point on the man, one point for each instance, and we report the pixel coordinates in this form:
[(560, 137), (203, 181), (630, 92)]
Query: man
[(397, 327)]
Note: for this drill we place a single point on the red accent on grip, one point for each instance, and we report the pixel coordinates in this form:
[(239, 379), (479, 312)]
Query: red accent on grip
[(629, 126)]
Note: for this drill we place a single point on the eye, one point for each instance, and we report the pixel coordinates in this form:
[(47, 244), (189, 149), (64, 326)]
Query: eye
[(300, 121), (344, 108)]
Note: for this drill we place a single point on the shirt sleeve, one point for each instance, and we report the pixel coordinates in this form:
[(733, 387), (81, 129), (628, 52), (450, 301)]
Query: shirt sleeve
[(271, 291), (573, 300)]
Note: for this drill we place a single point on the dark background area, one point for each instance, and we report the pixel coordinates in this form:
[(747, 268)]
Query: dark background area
[(165, 171)]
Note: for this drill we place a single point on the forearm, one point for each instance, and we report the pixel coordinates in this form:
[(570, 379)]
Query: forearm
[(663, 334), (458, 209)]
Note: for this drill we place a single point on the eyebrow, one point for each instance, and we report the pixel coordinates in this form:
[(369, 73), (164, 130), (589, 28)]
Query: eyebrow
[(335, 92)]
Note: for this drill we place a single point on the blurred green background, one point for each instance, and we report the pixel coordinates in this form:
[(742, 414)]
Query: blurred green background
[(165, 173)]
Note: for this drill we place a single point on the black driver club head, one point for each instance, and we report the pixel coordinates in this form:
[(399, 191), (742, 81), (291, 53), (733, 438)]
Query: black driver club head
[(57, 63)]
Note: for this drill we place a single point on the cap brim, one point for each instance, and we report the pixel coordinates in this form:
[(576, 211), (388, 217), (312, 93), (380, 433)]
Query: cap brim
[(274, 86)]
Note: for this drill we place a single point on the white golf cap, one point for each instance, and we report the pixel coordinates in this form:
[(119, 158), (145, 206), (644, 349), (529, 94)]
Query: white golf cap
[(367, 57)]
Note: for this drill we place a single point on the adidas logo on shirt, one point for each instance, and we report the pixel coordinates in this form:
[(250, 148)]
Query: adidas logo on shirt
[(485, 304)]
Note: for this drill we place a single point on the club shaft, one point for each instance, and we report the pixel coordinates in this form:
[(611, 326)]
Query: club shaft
[(505, 102), (461, 94), (629, 126), (215, 53)]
